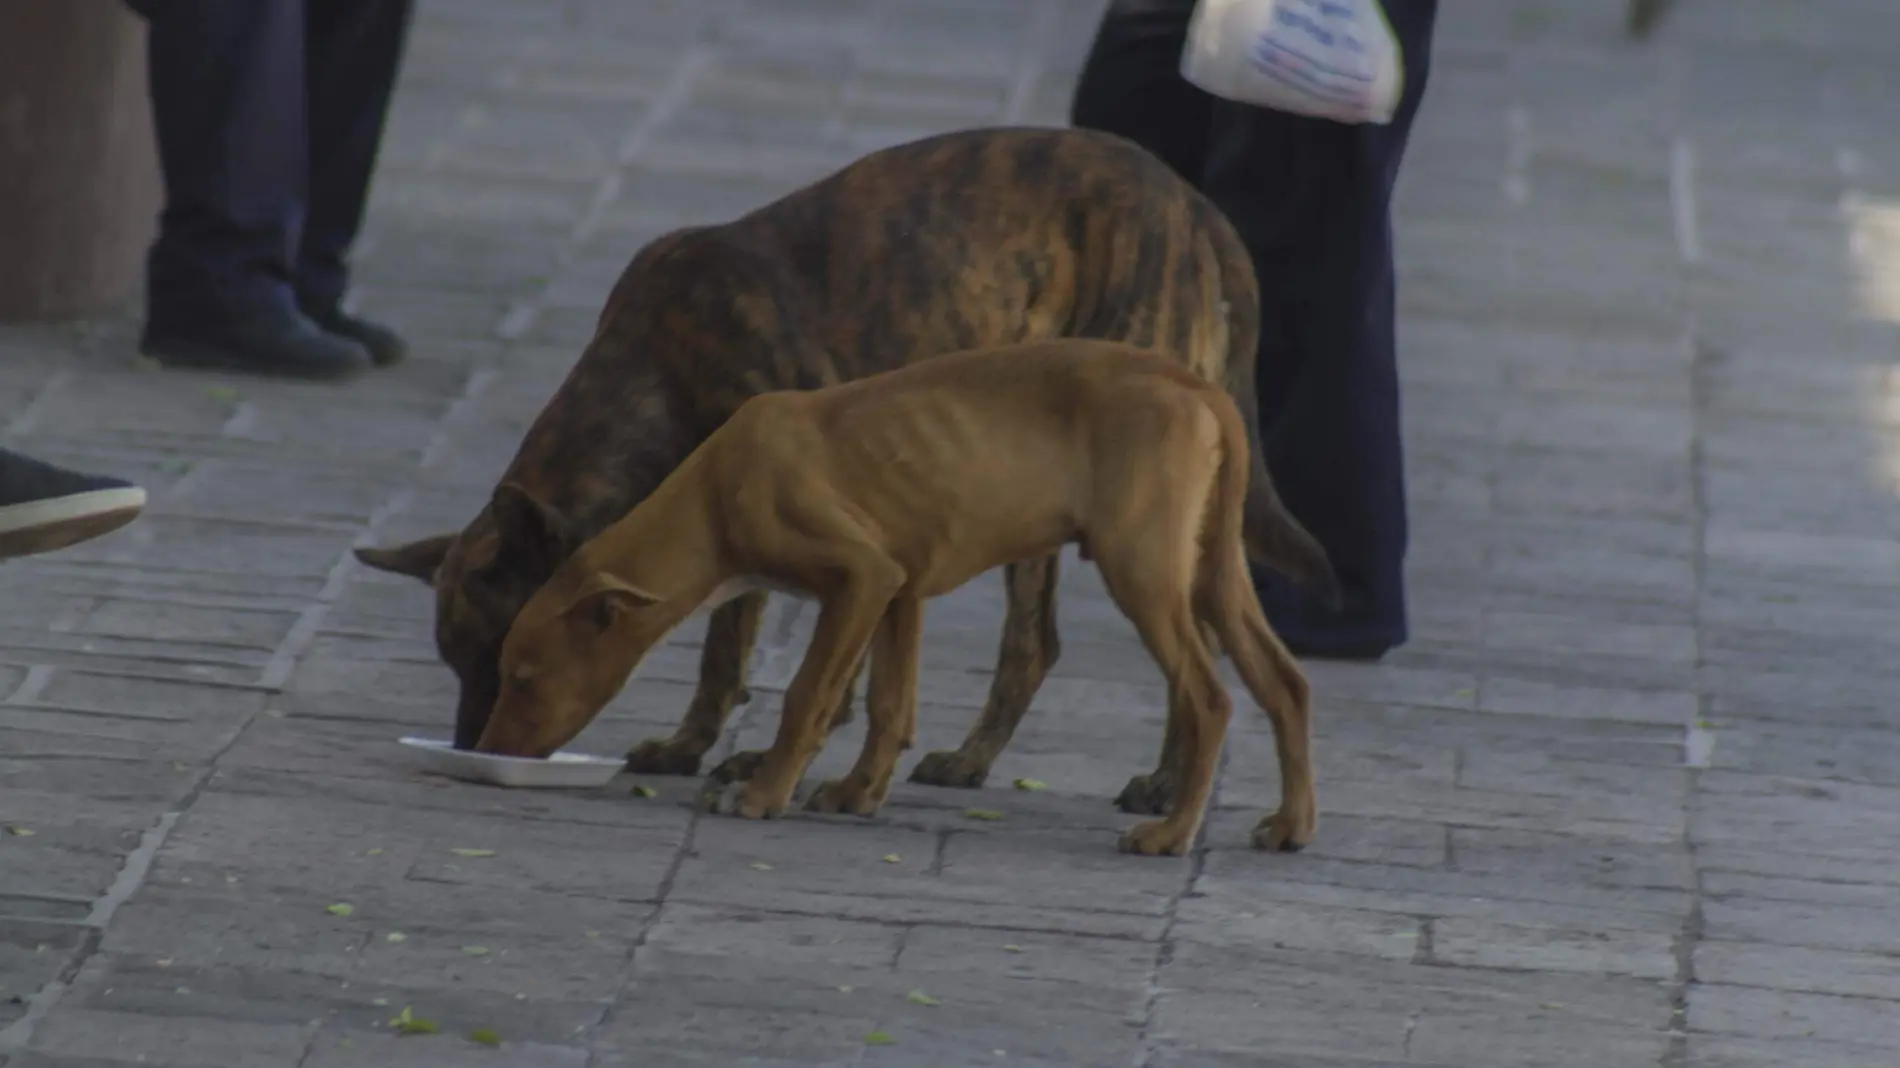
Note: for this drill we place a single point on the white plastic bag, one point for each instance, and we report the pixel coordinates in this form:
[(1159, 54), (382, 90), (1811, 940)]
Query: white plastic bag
[(1331, 59)]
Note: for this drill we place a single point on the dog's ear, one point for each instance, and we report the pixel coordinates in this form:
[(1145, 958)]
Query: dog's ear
[(526, 524), (603, 597), (418, 559)]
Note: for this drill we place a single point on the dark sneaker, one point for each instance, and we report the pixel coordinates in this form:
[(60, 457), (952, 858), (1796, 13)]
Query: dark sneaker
[(274, 343), (384, 345), (1642, 16), (43, 507)]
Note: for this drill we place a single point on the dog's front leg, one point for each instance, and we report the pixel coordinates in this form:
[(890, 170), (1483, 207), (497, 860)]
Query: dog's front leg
[(742, 765), (847, 618), (892, 706), (1030, 648), (730, 635)]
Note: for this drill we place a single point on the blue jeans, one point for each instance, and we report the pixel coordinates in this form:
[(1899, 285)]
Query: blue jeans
[(268, 115)]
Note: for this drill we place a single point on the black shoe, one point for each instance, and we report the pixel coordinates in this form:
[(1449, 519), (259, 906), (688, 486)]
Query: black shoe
[(384, 345), (272, 343), (43, 507), (1312, 630), (1642, 16)]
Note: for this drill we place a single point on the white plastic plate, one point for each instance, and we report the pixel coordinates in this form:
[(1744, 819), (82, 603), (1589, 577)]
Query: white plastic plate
[(563, 769)]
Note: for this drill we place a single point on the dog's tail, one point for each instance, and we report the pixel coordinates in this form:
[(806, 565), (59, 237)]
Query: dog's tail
[(1272, 536), (1277, 540)]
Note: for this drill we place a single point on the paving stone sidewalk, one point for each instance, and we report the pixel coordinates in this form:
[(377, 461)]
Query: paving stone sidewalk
[(1632, 797)]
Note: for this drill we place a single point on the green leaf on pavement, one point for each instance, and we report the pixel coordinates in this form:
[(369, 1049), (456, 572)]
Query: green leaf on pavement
[(408, 1023)]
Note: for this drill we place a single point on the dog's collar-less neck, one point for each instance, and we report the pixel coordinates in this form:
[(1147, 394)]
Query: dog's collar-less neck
[(666, 546)]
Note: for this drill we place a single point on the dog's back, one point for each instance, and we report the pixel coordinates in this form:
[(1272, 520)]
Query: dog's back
[(975, 459)]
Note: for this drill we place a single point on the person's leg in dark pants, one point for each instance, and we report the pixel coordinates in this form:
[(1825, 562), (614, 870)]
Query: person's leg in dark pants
[(227, 103), (1131, 84), (1311, 198), (232, 114), (352, 50), (227, 81)]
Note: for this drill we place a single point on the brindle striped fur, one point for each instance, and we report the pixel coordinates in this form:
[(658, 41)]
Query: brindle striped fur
[(958, 241)]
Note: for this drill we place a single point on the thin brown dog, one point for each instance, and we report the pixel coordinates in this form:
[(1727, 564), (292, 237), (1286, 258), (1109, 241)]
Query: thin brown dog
[(873, 496)]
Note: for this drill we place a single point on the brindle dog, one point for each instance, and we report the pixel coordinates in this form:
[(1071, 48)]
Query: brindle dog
[(958, 241)]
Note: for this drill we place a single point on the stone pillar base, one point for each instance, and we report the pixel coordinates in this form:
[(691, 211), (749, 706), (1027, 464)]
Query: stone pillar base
[(79, 183)]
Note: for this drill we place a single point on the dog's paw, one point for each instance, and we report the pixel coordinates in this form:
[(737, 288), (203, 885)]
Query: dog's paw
[(740, 799), (950, 767), (737, 768), (1147, 795), (1279, 833), (718, 797), (1155, 839), (844, 796), (664, 756)]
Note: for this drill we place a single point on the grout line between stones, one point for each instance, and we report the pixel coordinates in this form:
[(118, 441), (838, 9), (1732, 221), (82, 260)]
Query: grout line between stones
[(303, 633), (32, 685), (1698, 743), (29, 417), (521, 316), (1147, 1048)]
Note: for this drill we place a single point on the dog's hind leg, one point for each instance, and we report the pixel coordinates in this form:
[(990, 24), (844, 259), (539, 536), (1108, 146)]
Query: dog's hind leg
[(1276, 682), (730, 635), (1153, 793), (1029, 650), (1145, 532), (1198, 706), (891, 705)]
